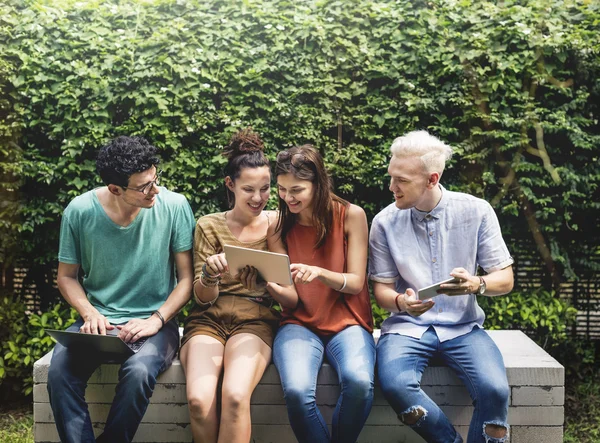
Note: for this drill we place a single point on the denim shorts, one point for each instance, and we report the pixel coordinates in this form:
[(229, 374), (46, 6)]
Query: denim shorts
[(230, 315)]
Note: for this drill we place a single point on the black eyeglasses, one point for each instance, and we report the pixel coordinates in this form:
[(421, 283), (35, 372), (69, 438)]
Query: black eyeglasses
[(296, 160), (148, 186)]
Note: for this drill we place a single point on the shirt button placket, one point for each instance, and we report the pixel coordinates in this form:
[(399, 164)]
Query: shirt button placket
[(430, 222)]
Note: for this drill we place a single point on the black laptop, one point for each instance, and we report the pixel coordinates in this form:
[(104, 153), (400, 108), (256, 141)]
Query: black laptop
[(109, 343)]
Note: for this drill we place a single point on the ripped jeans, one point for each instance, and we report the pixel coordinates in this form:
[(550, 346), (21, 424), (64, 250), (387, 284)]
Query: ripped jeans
[(474, 358)]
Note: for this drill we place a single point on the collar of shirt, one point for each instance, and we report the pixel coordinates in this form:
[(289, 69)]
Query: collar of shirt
[(435, 212)]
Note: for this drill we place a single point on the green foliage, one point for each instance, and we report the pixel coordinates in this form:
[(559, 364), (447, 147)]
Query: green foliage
[(379, 314), (16, 428), (539, 313), (23, 340), (581, 411), (184, 312), (511, 85)]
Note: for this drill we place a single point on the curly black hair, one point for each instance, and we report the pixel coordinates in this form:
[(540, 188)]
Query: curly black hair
[(124, 156)]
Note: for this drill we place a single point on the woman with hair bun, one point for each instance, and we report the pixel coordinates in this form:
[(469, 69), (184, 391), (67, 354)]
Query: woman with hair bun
[(326, 238), (230, 330)]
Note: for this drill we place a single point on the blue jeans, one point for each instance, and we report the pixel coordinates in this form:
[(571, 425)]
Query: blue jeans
[(298, 354), (476, 360), (68, 375)]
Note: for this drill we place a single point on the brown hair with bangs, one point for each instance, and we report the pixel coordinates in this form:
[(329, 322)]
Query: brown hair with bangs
[(305, 163)]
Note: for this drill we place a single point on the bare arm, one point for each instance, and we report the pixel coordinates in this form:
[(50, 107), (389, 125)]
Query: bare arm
[(138, 328), (182, 292), (357, 232), (215, 265), (498, 282), (70, 288)]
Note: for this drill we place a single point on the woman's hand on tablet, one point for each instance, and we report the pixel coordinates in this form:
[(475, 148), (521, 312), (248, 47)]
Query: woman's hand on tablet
[(249, 278), (216, 264)]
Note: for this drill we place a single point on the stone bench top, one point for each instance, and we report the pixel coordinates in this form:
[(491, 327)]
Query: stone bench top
[(526, 365)]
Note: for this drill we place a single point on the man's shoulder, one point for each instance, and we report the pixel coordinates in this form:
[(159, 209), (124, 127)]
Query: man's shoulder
[(460, 200), (390, 214), (81, 204), (171, 198)]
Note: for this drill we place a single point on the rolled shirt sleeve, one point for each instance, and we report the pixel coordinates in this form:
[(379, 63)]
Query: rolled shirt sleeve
[(382, 268)]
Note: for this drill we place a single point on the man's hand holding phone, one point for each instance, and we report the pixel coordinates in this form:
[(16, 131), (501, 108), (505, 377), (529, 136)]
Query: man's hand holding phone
[(410, 303), (464, 283)]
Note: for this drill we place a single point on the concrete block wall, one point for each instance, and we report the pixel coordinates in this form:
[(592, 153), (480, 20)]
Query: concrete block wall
[(536, 412)]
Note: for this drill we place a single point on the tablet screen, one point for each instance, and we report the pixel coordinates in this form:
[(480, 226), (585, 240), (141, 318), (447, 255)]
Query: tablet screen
[(271, 266)]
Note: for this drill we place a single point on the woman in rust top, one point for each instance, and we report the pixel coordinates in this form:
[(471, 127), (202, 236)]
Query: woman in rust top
[(326, 238)]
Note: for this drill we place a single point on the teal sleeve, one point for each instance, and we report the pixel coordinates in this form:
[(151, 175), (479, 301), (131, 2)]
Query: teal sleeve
[(183, 232), (68, 248)]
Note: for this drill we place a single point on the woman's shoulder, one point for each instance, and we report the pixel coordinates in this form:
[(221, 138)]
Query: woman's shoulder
[(353, 210), (214, 220), (273, 217), (349, 210), (355, 217)]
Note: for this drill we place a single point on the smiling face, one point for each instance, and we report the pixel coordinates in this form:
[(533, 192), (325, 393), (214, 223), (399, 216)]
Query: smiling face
[(137, 182), (296, 193), (251, 189), (410, 182)]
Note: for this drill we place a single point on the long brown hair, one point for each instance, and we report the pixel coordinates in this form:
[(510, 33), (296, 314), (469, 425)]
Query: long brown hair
[(305, 163), (245, 150)]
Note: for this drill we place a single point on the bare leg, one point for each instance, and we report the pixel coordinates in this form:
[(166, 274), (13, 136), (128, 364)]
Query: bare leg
[(202, 359), (246, 358)]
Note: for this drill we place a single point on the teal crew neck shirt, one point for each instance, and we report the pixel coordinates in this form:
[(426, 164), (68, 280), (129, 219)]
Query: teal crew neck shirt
[(128, 272)]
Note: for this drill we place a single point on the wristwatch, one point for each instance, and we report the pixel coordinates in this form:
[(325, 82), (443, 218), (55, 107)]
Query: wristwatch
[(482, 286)]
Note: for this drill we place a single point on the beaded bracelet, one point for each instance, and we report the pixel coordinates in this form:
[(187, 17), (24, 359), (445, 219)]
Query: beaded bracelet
[(207, 281), (208, 274)]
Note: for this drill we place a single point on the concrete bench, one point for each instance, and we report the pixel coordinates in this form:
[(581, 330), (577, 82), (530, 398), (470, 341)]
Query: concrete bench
[(536, 412)]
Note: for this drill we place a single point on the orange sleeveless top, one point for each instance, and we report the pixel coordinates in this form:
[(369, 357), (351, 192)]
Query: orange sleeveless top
[(322, 309)]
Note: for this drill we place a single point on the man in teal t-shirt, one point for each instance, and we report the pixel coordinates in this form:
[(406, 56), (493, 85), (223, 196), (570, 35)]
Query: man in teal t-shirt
[(132, 241)]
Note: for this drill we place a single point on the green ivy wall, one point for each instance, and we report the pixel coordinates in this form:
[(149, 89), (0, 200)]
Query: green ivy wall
[(513, 85)]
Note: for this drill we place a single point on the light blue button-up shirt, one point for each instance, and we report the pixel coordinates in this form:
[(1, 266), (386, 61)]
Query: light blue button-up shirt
[(414, 249)]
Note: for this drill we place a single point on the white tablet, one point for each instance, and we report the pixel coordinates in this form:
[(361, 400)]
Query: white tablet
[(272, 267), (431, 291)]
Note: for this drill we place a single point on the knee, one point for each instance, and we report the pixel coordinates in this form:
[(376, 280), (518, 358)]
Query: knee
[(358, 386), (494, 394), (200, 406), (60, 381), (138, 374), (55, 377), (235, 399), (495, 432), (299, 395), (413, 416)]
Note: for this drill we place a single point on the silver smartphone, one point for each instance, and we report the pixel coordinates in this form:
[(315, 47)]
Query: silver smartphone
[(431, 291)]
